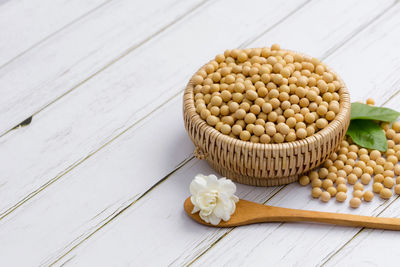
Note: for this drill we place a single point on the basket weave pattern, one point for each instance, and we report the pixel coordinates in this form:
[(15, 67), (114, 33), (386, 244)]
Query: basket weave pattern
[(264, 164)]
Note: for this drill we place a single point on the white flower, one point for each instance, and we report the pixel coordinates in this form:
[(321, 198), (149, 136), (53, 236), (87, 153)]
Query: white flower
[(213, 197)]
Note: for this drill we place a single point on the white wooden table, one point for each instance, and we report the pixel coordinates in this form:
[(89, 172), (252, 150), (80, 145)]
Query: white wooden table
[(99, 175)]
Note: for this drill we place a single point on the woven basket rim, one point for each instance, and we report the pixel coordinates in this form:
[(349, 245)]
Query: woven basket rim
[(344, 104)]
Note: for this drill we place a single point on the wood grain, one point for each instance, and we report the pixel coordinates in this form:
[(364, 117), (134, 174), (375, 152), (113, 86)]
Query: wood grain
[(109, 206), (66, 133), (366, 240), (80, 51), (321, 242), (82, 228), (362, 248), (59, 135), (108, 186), (24, 24), (315, 232), (78, 138)]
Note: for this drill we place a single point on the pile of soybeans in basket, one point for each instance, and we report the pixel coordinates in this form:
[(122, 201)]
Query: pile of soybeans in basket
[(266, 95)]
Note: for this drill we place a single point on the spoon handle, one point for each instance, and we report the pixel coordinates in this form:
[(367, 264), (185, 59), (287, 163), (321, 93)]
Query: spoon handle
[(294, 215), (248, 212)]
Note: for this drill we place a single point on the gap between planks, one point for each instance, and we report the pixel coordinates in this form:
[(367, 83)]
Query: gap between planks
[(294, 11), (187, 160), (158, 183), (72, 166), (130, 204), (385, 208), (79, 162), (183, 163), (329, 258), (231, 229), (113, 61), (329, 52), (130, 49), (54, 33)]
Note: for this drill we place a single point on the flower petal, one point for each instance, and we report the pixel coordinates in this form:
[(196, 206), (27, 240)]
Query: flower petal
[(235, 198), (219, 209), (195, 210), (204, 217), (227, 186), (199, 183), (212, 182), (214, 220)]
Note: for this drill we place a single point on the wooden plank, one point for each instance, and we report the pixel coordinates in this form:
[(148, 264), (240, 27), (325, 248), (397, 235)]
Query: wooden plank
[(24, 24), (287, 243), (80, 51), (112, 102), (369, 246), (174, 227), (365, 245), (125, 175), (77, 139), (107, 181), (130, 174)]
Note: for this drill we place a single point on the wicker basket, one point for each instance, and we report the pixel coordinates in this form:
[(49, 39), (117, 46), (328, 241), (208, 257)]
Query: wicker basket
[(264, 164)]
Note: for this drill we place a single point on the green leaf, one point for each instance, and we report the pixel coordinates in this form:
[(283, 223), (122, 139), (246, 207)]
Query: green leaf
[(367, 112), (368, 134)]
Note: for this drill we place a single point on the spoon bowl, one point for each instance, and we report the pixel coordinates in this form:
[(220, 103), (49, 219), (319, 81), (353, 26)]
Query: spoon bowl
[(248, 212)]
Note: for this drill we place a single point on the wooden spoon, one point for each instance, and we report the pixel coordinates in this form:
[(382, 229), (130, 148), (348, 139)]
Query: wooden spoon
[(248, 212)]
